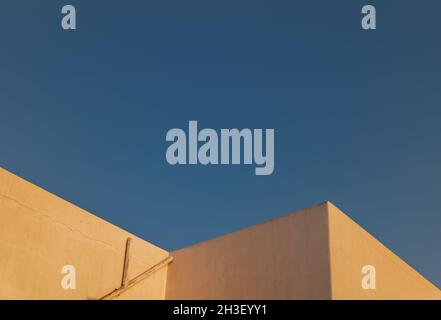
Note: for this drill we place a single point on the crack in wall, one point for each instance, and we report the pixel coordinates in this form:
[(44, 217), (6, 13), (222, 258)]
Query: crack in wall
[(42, 215), (47, 217)]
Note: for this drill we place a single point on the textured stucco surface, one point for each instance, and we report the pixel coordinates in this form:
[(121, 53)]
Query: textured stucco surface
[(315, 253), (285, 258), (40, 233)]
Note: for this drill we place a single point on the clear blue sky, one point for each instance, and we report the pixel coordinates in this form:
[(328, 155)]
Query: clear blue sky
[(84, 114)]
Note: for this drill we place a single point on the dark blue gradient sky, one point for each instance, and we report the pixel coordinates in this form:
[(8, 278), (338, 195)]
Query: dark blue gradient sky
[(84, 114)]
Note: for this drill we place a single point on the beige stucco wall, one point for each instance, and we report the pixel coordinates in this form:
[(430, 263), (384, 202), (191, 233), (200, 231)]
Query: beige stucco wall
[(40, 233), (316, 253), (352, 247), (285, 258)]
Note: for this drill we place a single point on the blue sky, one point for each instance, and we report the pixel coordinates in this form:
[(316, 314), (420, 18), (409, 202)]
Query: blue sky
[(356, 113)]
